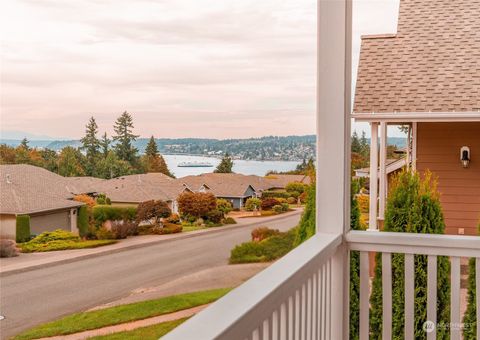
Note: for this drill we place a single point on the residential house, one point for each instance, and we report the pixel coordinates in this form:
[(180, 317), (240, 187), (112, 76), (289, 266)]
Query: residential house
[(427, 77), (306, 294), (235, 188), (39, 193), (133, 189)]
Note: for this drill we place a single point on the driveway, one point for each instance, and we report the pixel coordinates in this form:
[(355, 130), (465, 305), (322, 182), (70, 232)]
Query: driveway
[(45, 294)]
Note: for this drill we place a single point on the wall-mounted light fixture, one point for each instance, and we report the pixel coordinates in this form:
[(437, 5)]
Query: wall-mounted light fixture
[(465, 156)]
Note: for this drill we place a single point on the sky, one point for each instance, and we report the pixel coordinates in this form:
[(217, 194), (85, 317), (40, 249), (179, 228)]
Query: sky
[(182, 68)]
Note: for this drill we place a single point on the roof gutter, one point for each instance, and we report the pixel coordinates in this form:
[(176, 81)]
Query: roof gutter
[(408, 117)]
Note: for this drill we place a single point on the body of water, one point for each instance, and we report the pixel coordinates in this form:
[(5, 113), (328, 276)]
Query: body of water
[(259, 168)]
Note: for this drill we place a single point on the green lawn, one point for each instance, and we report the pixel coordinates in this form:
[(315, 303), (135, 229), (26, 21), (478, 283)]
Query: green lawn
[(62, 245), (120, 314), (153, 332), (187, 228)]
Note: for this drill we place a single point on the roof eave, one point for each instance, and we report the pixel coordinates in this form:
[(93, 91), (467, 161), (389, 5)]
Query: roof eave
[(408, 117)]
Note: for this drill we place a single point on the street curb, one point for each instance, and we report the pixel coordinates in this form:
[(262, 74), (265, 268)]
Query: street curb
[(140, 245)]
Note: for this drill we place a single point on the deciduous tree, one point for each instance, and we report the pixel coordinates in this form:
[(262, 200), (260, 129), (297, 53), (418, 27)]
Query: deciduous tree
[(70, 162), (153, 210), (196, 204)]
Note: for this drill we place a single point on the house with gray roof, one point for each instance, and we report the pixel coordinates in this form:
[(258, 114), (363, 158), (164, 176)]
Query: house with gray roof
[(39, 193)]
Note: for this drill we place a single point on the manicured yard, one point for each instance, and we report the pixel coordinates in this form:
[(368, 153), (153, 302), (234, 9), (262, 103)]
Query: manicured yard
[(145, 333), (120, 314), (187, 228)]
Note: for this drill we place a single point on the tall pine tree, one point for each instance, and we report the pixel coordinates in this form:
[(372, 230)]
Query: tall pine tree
[(124, 138), (153, 161), (91, 144), (104, 145), (225, 166)]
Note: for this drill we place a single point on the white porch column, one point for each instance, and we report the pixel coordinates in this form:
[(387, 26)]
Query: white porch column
[(414, 146), (372, 220), (383, 170), (333, 146)]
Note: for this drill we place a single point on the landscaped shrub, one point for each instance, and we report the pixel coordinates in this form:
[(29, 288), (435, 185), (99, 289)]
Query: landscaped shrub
[(413, 206), (8, 248), (306, 227), (470, 318), (224, 206), (197, 204), (56, 235), (23, 228), (291, 200), (123, 229), (85, 199), (363, 203), (103, 233), (269, 203), (102, 199), (174, 218), (277, 209), (59, 240), (253, 204), (170, 228), (267, 250), (102, 213), (229, 220), (303, 197), (285, 207), (297, 187), (83, 221), (261, 233), (153, 210), (214, 216), (275, 194)]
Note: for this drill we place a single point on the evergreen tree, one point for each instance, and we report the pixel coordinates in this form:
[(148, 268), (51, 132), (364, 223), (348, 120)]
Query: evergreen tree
[(355, 143), (70, 162), (413, 206), (24, 144), (124, 138), (225, 166), (50, 160), (153, 161), (470, 318), (91, 144), (104, 145), (111, 166), (306, 226)]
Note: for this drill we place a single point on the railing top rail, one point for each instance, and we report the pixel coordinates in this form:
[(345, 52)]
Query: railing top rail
[(411, 243), (233, 315)]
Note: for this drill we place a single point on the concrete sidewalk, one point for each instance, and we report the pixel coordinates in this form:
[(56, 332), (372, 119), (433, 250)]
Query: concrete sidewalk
[(31, 261)]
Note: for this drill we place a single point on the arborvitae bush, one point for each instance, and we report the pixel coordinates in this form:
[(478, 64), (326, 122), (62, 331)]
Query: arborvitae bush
[(102, 213), (23, 228), (470, 318), (306, 227), (413, 206), (83, 220)]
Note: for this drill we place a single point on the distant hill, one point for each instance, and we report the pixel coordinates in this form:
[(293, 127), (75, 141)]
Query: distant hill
[(265, 148)]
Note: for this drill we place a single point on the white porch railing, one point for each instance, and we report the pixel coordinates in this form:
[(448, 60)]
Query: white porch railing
[(293, 298)]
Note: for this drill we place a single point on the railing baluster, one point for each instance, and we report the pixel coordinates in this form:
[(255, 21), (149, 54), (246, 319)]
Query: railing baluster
[(319, 305), (324, 302), (409, 296), (314, 306), (290, 317), (303, 312), (309, 309), (455, 303), (387, 295), (432, 295), (296, 313), (364, 295), (477, 287), (329, 314)]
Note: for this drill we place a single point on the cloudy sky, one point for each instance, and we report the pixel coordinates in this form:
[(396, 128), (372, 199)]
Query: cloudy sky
[(183, 68)]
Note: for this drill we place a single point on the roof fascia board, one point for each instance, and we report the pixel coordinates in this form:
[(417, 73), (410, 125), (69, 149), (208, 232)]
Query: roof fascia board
[(404, 117)]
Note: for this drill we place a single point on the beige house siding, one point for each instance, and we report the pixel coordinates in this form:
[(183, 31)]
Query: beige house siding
[(438, 149), (50, 222), (8, 226)]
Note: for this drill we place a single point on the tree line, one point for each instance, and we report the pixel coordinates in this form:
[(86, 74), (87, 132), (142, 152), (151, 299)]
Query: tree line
[(100, 157)]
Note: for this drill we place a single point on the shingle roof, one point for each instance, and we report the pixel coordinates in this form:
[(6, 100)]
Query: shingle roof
[(140, 188), (26, 189), (84, 185), (236, 185), (431, 65)]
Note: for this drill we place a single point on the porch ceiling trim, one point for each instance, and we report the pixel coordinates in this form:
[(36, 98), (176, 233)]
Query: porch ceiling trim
[(404, 117)]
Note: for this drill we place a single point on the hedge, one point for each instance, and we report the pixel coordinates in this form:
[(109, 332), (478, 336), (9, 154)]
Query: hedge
[(23, 228), (276, 194), (102, 213), (82, 221)]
